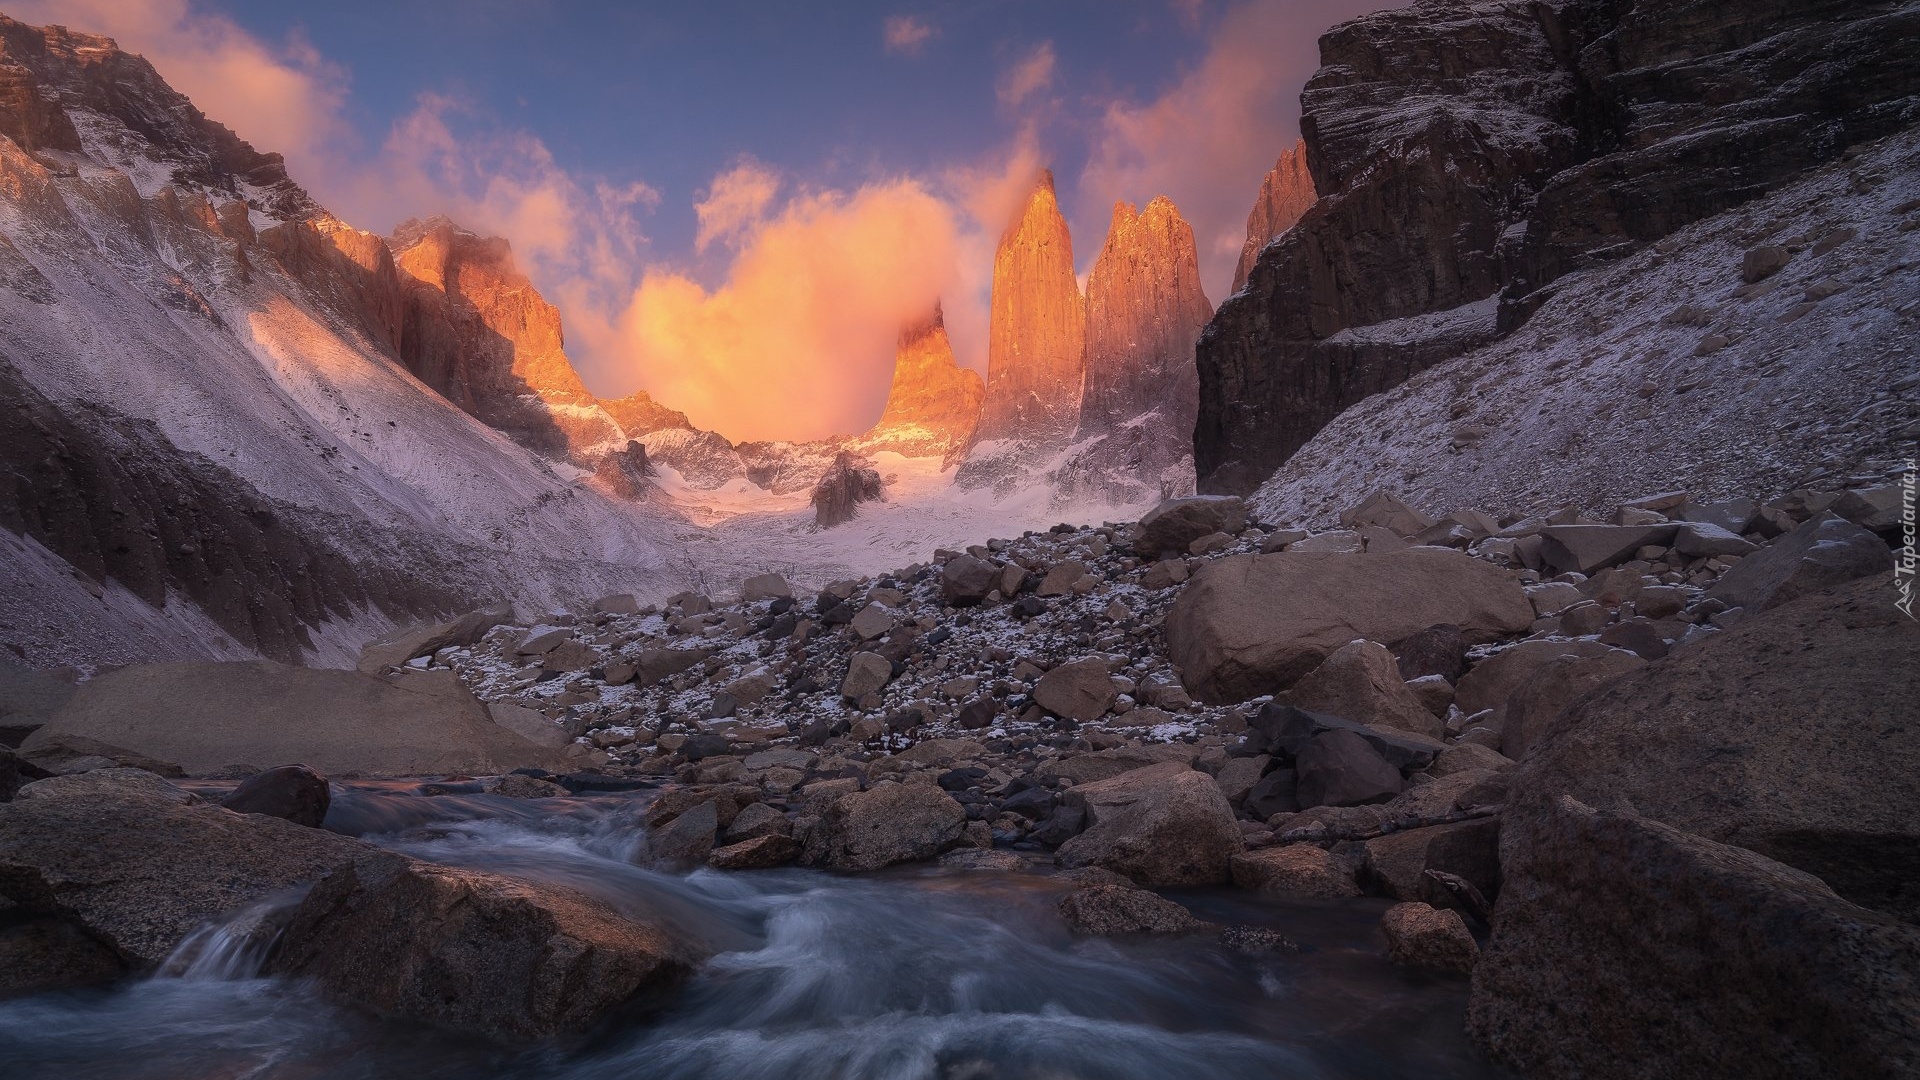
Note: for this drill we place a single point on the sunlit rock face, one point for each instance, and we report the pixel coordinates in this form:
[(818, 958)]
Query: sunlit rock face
[(638, 414), (934, 404), (1285, 194), (479, 333), (1145, 309), (1036, 354)]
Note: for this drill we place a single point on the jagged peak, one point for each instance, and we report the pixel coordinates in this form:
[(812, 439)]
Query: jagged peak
[(924, 327)]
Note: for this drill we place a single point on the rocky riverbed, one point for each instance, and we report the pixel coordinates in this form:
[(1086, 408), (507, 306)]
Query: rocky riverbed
[(1196, 789)]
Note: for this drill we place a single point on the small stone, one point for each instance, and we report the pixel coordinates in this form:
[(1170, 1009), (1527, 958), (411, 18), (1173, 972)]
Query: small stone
[(1436, 939)]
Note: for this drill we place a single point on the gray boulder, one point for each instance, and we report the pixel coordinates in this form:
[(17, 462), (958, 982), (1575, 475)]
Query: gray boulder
[(891, 823), (400, 646), (204, 716), (472, 952), (1360, 681), (135, 863), (292, 792), (965, 580), (1163, 825), (1585, 549), (1253, 624), (1171, 527), (1620, 944), (1118, 910), (1790, 734), (1824, 552), (1079, 690)]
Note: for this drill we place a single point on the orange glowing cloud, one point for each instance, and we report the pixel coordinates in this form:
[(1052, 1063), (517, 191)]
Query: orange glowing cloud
[(735, 203), (286, 99), (799, 341)]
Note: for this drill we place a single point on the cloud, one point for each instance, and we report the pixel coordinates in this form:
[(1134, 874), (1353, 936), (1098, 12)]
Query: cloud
[(905, 34), (735, 203), (1207, 140), (1030, 75), (283, 98), (799, 341)]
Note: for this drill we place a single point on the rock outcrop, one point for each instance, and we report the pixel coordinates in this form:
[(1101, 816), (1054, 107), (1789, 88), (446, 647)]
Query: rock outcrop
[(1036, 355), (837, 497), (638, 414), (1254, 624), (205, 717), (1497, 147), (1285, 193), (478, 332), (934, 404), (1145, 309)]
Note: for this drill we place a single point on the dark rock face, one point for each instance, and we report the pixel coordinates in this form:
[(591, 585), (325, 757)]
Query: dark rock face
[(1789, 735), (114, 498), (1467, 151), (839, 493), (1620, 942), (47, 69)]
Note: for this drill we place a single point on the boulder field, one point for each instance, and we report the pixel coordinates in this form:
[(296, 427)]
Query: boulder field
[(1590, 792)]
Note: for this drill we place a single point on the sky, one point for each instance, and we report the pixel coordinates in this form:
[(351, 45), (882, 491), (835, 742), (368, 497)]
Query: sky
[(736, 205)]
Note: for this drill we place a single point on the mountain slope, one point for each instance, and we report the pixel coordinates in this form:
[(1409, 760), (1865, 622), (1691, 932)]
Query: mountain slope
[(178, 316)]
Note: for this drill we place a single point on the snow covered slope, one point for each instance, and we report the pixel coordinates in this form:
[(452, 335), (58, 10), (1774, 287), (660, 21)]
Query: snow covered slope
[(1668, 370), (164, 280)]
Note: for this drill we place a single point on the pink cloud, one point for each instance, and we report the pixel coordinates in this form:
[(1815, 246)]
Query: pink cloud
[(1028, 76), (906, 34), (735, 203)]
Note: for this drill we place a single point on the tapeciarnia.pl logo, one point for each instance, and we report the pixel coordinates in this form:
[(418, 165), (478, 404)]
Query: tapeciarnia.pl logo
[(1903, 563)]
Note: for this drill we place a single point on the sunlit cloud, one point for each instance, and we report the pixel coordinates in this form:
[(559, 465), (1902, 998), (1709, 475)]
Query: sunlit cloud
[(735, 203), (1028, 76), (906, 34), (798, 342)]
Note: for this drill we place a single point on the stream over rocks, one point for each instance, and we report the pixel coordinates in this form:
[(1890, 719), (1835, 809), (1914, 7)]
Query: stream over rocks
[(917, 972)]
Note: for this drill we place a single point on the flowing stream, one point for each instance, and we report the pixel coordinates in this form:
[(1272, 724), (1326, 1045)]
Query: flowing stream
[(912, 974)]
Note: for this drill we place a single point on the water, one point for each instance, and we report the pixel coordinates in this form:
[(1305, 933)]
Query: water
[(916, 974)]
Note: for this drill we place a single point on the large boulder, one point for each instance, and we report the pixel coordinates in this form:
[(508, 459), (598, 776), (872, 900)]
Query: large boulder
[(1169, 528), (473, 952), (1824, 552), (1535, 707), (292, 792), (1339, 768), (1624, 948), (1079, 690), (1584, 549), (1163, 825), (402, 645), (135, 863), (965, 580), (1791, 734), (1360, 681), (205, 716), (1254, 624), (1492, 682), (891, 823), (1117, 910)]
